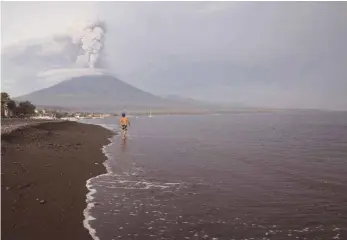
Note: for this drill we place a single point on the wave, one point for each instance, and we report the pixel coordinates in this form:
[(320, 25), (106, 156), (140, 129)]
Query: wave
[(92, 191)]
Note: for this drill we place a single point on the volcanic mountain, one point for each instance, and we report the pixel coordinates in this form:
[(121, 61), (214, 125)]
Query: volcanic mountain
[(98, 92)]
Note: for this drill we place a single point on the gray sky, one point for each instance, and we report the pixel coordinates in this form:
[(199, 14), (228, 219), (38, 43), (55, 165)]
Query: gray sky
[(270, 54)]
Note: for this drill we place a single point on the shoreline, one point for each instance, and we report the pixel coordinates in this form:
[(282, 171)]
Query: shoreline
[(90, 195), (45, 169)]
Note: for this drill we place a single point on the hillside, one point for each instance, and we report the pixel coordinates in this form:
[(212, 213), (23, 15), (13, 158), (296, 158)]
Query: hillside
[(101, 93)]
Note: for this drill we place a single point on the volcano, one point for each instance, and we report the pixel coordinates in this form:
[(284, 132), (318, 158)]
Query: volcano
[(95, 92)]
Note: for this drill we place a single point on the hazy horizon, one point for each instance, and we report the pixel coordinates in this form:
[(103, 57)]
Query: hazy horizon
[(261, 54)]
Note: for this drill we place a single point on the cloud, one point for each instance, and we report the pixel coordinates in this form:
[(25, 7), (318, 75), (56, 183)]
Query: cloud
[(58, 75), (61, 45), (22, 63), (280, 54), (23, 21)]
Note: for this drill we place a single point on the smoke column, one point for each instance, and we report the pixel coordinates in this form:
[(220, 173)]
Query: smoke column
[(91, 41)]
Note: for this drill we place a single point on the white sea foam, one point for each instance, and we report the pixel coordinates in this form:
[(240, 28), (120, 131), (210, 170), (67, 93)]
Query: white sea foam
[(138, 185), (92, 191), (108, 156), (90, 195), (87, 216), (118, 181)]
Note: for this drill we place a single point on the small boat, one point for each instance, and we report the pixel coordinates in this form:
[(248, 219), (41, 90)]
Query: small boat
[(150, 113)]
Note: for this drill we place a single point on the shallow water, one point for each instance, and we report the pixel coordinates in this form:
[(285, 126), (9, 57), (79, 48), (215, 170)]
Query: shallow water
[(238, 176)]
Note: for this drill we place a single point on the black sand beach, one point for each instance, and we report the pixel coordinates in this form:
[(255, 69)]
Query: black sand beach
[(44, 169), (255, 176)]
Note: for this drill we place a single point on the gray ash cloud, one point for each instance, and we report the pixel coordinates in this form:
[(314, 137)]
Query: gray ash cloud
[(91, 41)]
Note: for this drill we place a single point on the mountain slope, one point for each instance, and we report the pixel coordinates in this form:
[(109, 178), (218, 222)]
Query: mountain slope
[(103, 92)]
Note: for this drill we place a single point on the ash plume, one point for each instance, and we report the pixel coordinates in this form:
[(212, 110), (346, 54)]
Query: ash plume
[(91, 41)]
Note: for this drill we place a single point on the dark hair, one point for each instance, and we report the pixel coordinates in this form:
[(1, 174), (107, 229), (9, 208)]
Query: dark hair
[(123, 114)]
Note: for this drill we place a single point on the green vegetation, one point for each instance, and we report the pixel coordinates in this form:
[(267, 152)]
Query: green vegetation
[(9, 108)]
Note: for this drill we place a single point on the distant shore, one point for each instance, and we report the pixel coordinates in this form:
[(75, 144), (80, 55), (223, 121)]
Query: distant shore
[(44, 171)]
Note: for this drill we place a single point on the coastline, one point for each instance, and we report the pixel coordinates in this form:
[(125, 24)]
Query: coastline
[(45, 168), (90, 195)]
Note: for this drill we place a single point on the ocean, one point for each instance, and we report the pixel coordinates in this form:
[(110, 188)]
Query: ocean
[(243, 176)]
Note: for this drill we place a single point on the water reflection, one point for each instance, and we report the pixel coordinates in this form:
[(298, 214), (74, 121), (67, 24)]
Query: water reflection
[(124, 145)]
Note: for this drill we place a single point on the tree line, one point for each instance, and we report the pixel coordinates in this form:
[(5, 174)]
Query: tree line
[(21, 109)]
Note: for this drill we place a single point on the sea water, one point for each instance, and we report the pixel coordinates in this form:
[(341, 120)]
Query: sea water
[(238, 176)]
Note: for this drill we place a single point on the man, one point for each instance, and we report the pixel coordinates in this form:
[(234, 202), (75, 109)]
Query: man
[(124, 122)]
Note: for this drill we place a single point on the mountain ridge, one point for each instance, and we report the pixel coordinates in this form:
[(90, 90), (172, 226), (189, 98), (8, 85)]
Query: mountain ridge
[(102, 92)]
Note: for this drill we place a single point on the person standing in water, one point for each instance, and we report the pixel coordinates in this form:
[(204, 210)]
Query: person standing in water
[(124, 122)]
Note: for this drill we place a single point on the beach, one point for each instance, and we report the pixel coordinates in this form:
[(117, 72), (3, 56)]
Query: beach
[(44, 169), (253, 176)]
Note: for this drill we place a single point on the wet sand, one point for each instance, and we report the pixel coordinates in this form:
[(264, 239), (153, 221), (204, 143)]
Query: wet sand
[(44, 169)]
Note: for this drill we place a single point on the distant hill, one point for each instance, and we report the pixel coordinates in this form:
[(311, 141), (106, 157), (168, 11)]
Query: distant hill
[(95, 93)]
